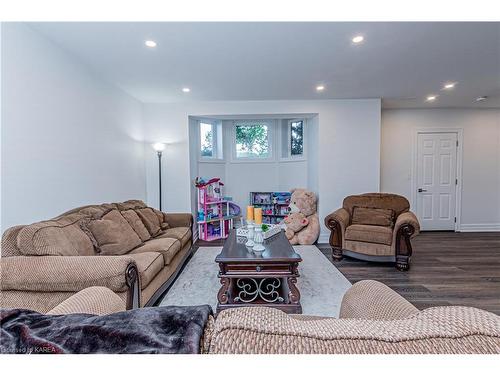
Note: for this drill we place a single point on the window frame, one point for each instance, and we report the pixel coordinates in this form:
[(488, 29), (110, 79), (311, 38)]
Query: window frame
[(289, 156), (217, 145), (271, 125)]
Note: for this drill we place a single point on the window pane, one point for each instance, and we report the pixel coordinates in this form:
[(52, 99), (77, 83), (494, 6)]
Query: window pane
[(297, 137), (206, 140), (252, 141)]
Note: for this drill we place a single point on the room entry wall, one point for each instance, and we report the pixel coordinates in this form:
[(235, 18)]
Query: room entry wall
[(480, 170)]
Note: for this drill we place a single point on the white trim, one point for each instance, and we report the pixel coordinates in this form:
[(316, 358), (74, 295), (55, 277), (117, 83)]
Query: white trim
[(489, 227), (217, 140), (413, 182), (324, 238), (290, 157)]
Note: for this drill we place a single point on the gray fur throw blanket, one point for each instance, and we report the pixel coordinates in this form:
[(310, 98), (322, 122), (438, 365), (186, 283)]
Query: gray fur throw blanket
[(164, 329)]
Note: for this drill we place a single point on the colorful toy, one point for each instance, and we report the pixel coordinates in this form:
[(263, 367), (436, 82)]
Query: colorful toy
[(305, 202), (274, 205), (215, 211)]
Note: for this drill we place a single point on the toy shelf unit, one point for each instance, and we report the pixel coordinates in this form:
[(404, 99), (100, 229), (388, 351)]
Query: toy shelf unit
[(274, 205), (215, 212)]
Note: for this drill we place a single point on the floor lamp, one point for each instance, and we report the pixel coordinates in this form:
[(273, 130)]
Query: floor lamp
[(159, 147)]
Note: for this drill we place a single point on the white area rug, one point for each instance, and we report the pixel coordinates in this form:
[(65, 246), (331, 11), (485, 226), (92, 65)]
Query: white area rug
[(321, 285)]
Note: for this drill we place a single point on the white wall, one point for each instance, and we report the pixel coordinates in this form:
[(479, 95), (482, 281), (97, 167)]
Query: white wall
[(348, 148), (481, 158), (68, 139)]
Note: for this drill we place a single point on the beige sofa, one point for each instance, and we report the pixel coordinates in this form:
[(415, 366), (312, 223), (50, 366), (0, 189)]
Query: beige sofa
[(373, 320), (130, 248), (375, 227)]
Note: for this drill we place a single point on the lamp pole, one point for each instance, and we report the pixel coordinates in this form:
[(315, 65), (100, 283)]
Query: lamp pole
[(159, 174), (159, 147)]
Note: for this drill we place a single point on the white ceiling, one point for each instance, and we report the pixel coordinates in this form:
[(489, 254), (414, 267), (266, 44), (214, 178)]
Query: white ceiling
[(399, 62)]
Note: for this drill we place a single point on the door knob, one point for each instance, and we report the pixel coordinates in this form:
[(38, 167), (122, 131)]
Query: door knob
[(420, 190)]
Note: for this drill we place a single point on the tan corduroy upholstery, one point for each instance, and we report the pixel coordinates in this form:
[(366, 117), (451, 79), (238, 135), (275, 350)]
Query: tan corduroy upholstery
[(370, 299), (381, 230), (369, 233), (440, 330), (94, 300), (179, 220), (373, 319), (64, 274), (183, 234), (168, 247), (46, 262)]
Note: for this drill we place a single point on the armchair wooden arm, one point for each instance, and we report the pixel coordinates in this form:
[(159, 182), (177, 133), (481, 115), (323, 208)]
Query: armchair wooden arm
[(337, 222)]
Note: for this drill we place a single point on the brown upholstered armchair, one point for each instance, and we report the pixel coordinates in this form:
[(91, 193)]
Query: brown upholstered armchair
[(374, 227)]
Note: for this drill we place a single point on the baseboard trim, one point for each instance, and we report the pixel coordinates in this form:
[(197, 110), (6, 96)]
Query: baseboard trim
[(195, 234), (324, 238), (490, 227)]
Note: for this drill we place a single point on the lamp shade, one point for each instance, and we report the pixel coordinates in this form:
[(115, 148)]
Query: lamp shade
[(159, 146)]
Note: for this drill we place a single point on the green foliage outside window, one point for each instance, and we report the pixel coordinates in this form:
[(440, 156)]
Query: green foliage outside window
[(252, 141)]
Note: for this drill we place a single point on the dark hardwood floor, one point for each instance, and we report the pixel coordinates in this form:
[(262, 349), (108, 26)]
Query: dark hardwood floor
[(446, 269)]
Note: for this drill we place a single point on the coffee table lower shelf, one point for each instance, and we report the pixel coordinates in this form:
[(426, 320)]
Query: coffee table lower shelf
[(276, 291)]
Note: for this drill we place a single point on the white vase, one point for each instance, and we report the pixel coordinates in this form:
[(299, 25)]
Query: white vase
[(258, 240)]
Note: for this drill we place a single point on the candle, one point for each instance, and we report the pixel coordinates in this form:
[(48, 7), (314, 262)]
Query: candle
[(249, 213), (258, 215)]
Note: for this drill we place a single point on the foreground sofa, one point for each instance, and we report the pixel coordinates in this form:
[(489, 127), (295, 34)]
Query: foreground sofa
[(373, 320), (129, 248), (374, 227)]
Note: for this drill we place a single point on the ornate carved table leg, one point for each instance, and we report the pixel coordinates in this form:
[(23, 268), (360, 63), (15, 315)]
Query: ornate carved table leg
[(223, 294), (294, 294)]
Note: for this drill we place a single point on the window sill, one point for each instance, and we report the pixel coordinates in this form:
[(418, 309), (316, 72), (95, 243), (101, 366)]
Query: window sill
[(212, 161), (292, 160), (253, 161)]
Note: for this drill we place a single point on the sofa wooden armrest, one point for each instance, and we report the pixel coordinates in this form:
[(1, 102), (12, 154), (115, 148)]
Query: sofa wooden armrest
[(95, 300), (370, 299), (337, 222), (72, 274), (405, 228)]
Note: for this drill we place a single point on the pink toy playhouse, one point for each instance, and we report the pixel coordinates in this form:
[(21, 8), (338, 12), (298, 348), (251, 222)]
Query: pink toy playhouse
[(215, 212)]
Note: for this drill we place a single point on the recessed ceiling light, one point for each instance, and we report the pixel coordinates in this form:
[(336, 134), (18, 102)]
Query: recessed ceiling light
[(320, 88), (186, 89), (481, 98), (358, 39), (150, 43), (449, 85), (431, 98)]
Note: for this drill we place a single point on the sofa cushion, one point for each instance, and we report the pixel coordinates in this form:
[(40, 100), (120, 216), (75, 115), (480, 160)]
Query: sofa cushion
[(136, 223), (395, 202), (168, 247), (149, 265), (183, 234), (150, 219), (131, 204), (383, 217), (113, 234), (62, 236), (369, 233)]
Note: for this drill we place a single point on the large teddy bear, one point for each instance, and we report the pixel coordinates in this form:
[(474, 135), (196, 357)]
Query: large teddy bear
[(304, 202)]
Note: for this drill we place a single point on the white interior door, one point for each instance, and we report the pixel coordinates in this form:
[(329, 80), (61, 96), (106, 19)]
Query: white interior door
[(437, 180)]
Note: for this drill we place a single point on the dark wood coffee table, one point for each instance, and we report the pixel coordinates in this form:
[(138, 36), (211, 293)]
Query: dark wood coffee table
[(253, 279)]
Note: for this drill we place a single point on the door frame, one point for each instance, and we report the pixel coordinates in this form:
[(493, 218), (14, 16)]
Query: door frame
[(458, 195)]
